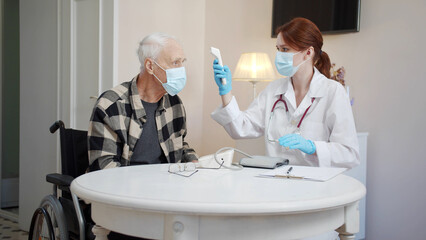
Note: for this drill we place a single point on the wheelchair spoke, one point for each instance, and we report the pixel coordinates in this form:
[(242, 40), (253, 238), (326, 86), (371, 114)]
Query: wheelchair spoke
[(55, 225), (41, 229)]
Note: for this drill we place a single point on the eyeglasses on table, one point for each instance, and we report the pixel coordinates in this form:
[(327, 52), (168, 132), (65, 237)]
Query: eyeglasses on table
[(188, 169)]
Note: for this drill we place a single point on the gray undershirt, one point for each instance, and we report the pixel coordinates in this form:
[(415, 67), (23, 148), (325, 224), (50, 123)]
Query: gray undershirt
[(147, 149)]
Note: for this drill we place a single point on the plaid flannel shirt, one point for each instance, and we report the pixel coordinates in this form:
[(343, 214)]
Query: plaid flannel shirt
[(117, 124)]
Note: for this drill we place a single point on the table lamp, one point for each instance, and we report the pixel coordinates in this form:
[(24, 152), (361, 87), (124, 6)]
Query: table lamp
[(254, 67)]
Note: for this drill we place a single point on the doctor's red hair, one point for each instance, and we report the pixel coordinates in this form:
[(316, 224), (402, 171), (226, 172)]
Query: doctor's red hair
[(300, 34)]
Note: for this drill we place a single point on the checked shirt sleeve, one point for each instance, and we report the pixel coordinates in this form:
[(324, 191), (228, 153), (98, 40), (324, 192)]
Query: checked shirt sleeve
[(105, 147), (173, 127), (188, 153)]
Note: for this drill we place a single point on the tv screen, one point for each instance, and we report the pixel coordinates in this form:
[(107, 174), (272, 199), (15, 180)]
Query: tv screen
[(331, 16)]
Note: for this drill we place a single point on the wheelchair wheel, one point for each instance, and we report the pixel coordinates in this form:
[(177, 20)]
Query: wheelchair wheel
[(41, 226), (54, 208)]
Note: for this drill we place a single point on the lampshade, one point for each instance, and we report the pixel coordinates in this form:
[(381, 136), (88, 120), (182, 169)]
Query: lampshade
[(254, 67)]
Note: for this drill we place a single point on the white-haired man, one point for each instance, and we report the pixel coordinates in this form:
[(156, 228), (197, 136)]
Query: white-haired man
[(143, 121), (129, 124)]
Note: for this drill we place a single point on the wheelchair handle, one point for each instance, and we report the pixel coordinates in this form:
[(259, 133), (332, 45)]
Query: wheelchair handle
[(55, 126)]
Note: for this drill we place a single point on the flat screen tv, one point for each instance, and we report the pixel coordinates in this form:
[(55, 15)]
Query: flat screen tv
[(331, 16)]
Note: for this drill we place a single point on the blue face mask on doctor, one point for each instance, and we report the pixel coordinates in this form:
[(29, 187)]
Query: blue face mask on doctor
[(284, 63), (176, 79)]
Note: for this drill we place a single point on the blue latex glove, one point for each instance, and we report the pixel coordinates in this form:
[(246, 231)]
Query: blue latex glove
[(222, 72), (295, 141)]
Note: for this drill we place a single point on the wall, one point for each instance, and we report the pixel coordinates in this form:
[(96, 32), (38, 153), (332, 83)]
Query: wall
[(183, 19), (1, 90), (61, 67), (386, 72), (243, 26), (10, 91), (384, 63), (38, 105)]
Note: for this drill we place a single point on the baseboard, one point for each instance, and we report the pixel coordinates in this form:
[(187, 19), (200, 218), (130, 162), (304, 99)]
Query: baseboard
[(9, 192), (9, 215)]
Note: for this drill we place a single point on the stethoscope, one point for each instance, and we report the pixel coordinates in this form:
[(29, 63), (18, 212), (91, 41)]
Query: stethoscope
[(286, 110)]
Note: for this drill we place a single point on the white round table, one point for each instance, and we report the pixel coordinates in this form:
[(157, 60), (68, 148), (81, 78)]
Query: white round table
[(147, 201)]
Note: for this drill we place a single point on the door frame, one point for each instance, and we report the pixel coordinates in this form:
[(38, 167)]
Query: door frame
[(3, 213), (64, 56), (1, 95), (67, 91), (107, 60)]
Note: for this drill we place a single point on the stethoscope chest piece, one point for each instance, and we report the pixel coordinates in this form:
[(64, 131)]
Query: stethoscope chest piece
[(293, 126)]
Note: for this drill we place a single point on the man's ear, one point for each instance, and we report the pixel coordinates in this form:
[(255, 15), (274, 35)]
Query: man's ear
[(149, 65)]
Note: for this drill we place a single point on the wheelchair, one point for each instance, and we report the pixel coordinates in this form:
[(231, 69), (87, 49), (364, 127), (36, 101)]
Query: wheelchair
[(65, 217)]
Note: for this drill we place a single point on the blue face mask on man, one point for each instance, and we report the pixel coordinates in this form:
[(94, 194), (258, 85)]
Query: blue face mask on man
[(176, 79), (284, 63)]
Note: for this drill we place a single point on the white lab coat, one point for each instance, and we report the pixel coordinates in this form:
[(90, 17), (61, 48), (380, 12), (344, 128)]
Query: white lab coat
[(329, 123)]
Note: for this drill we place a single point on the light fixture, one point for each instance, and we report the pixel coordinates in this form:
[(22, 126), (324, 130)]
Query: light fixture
[(254, 67)]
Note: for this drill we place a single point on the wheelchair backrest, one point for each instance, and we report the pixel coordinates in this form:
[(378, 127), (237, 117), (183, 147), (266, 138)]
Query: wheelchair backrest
[(74, 154)]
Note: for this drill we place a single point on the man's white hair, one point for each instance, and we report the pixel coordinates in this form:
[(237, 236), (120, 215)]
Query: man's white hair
[(151, 46)]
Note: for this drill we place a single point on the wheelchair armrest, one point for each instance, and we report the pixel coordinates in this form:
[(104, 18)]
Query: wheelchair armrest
[(59, 179)]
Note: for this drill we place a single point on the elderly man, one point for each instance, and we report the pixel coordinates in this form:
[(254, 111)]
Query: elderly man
[(142, 121)]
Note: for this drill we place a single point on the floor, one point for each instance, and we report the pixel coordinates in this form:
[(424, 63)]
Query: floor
[(12, 210), (9, 230)]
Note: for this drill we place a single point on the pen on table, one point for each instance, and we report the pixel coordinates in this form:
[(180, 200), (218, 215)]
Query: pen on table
[(288, 176)]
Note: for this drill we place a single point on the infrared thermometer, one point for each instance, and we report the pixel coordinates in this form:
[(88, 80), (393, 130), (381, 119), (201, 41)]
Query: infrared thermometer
[(216, 53)]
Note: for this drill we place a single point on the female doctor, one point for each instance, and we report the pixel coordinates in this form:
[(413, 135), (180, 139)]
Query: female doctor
[(305, 117)]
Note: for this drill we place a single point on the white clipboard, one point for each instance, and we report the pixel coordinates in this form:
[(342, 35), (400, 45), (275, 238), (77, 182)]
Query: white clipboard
[(304, 172)]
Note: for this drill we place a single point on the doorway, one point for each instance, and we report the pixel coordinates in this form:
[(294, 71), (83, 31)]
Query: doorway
[(10, 78)]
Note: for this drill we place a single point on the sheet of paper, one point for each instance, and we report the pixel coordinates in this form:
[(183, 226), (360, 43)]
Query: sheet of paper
[(305, 172)]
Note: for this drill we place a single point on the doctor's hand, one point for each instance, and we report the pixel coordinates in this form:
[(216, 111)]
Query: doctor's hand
[(295, 141), (222, 72)]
